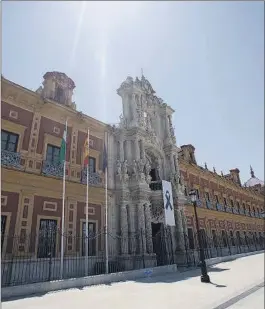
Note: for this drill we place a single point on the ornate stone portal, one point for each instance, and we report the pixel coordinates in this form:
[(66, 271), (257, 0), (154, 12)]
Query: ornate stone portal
[(143, 151)]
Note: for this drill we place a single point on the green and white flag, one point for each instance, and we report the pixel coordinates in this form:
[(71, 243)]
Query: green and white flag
[(63, 147)]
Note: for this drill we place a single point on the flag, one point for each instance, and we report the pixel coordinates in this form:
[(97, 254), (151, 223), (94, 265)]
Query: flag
[(86, 151), (63, 147), (105, 159)]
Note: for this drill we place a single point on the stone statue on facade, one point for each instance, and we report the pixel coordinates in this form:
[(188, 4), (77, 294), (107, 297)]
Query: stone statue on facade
[(118, 165), (125, 168), (147, 168), (141, 165), (134, 167)]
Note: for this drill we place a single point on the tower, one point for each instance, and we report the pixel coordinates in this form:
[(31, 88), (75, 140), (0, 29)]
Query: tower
[(58, 87), (145, 154)]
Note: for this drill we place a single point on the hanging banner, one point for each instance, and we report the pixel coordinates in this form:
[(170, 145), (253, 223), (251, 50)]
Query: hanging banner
[(168, 203)]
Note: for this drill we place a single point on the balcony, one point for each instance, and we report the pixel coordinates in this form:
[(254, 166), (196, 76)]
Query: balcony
[(241, 212), (93, 178), (10, 159), (219, 207), (228, 209), (199, 203), (208, 204), (52, 169), (235, 210), (155, 185), (14, 159)]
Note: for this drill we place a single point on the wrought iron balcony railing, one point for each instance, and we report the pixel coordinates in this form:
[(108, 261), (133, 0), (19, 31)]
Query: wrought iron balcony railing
[(241, 211), (199, 203), (219, 207), (208, 204), (93, 178), (155, 185), (10, 159), (52, 169), (228, 209)]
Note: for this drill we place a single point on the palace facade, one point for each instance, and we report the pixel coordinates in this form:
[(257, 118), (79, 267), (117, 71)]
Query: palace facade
[(32, 127), (141, 151), (229, 212)]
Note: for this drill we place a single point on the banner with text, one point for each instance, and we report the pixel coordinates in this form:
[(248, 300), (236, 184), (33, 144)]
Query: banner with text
[(168, 203)]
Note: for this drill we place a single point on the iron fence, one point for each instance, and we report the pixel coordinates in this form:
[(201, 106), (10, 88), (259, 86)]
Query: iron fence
[(36, 258), (219, 246)]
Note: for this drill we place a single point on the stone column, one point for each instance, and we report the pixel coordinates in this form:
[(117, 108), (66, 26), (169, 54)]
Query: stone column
[(141, 227), (121, 150), (167, 127), (137, 149), (142, 152), (172, 164), (148, 228), (124, 229), (132, 229)]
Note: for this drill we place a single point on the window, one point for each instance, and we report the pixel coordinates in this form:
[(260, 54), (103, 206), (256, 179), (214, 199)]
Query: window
[(244, 208), (3, 229), (91, 238), (225, 202), (232, 238), (216, 198), (238, 206), (47, 238), (197, 193), (246, 238), (232, 205), (9, 141), (215, 242), (92, 165), (207, 196), (59, 94), (238, 238), (203, 238), (53, 154), (224, 238), (191, 239)]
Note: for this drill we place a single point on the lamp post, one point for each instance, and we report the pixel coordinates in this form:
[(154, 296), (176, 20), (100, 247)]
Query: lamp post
[(204, 275)]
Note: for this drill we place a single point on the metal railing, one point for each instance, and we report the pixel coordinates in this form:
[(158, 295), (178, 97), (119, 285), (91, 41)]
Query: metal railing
[(225, 208), (55, 169), (155, 185), (9, 158), (23, 263), (218, 246)]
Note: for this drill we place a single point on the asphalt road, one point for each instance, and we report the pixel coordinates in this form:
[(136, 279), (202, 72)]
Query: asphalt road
[(232, 287)]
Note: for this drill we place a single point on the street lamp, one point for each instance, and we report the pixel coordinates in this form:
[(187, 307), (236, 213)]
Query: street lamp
[(204, 277)]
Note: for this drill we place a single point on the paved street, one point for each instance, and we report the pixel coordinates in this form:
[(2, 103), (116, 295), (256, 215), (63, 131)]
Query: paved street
[(254, 300), (231, 288)]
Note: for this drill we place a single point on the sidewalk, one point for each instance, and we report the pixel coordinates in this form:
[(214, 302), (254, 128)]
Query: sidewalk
[(183, 291)]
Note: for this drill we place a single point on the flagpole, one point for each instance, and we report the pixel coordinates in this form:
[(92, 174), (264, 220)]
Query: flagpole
[(87, 185), (63, 206), (106, 211)]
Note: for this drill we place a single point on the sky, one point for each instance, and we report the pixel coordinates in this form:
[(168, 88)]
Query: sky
[(205, 59)]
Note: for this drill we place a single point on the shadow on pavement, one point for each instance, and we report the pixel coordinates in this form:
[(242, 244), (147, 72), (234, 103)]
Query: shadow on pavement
[(175, 277), (165, 278)]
